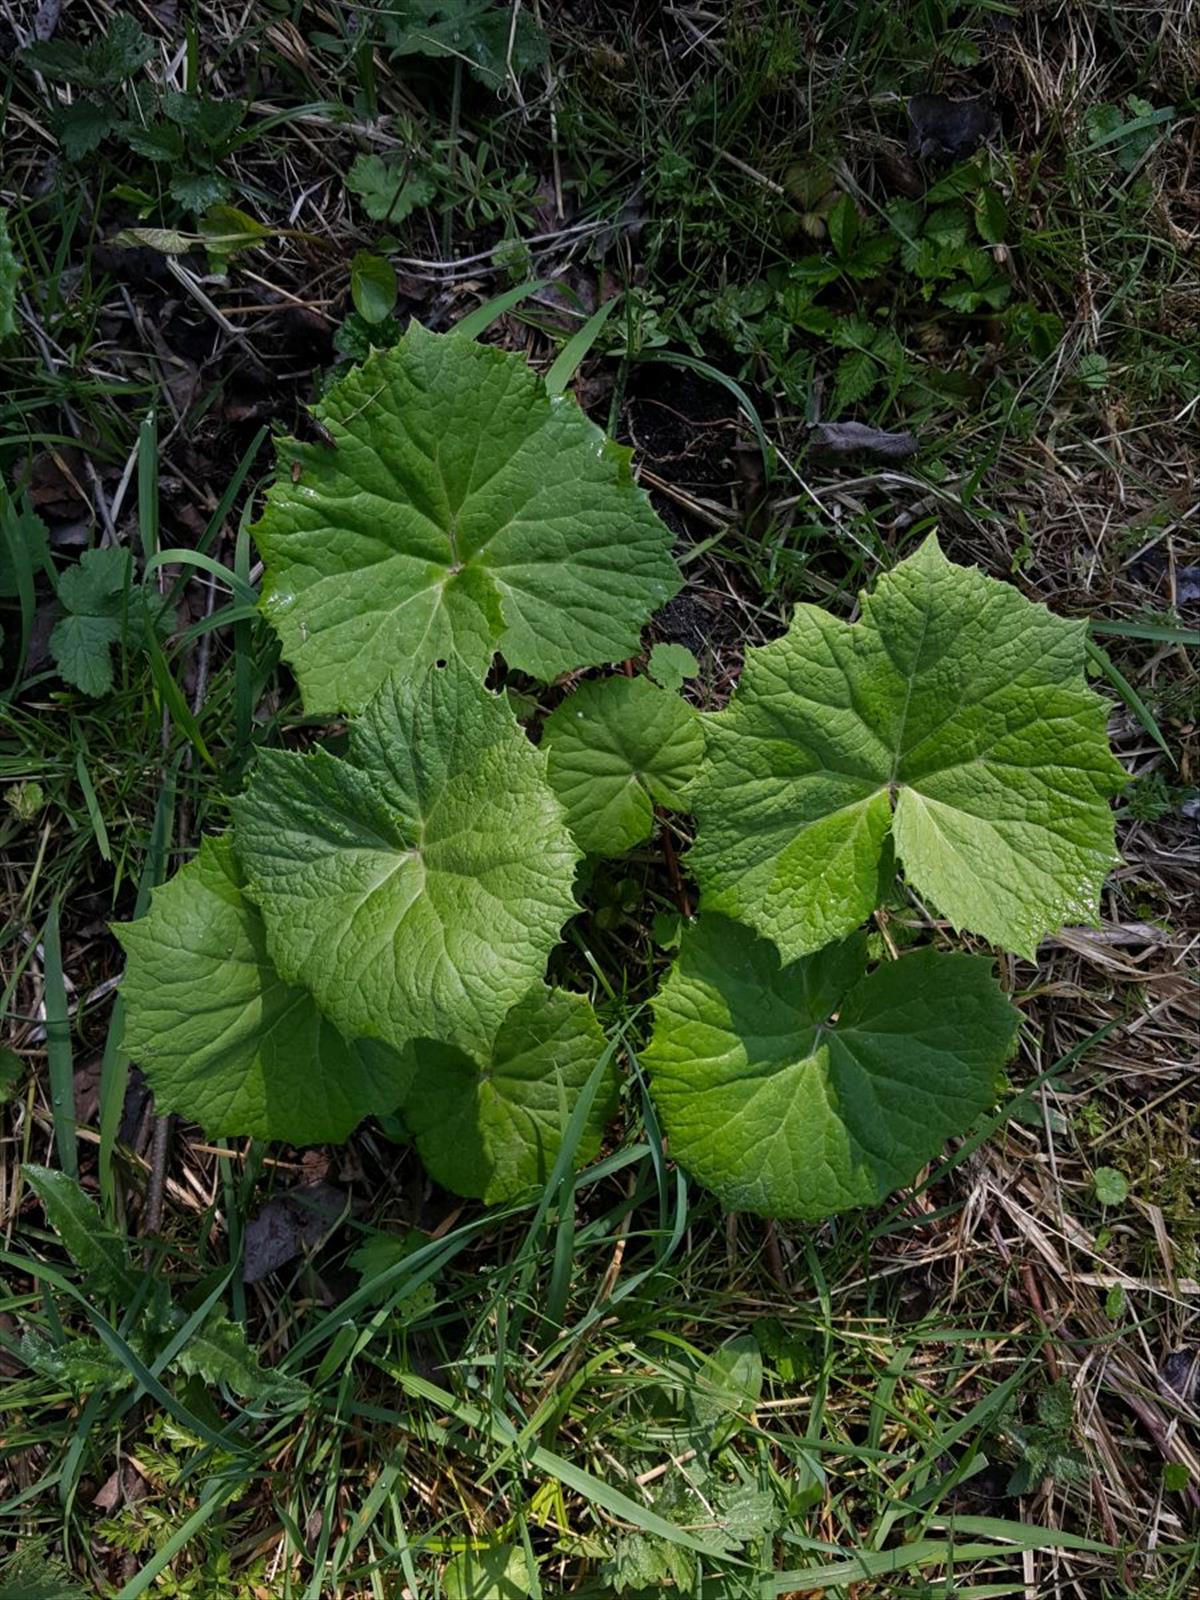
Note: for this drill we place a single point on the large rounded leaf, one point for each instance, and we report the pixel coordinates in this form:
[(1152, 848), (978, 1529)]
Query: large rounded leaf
[(802, 1091), (491, 1127), (955, 718), (222, 1038), (615, 747), (418, 887), (461, 511)]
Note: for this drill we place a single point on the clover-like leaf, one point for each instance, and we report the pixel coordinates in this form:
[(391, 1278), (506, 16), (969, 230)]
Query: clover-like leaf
[(491, 1127), (804, 1090), (418, 887), (221, 1037), (955, 717), (615, 747), (463, 511)]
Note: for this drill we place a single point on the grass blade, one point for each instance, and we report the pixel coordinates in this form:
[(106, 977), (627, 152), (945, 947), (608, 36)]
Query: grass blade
[(480, 320), (568, 360), (58, 1047), (1129, 694)]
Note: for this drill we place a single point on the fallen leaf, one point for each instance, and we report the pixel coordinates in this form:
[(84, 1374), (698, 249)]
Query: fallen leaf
[(288, 1225), (949, 130), (857, 438)]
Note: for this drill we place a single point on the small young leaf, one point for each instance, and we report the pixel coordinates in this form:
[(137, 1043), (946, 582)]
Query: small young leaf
[(487, 36), (615, 747), (491, 1129), (372, 286), (1112, 1187), (101, 63), (82, 127), (220, 1036), (197, 191), (991, 215), (418, 887), (98, 602), (802, 1091), (389, 188), (843, 224), (857, 374), (955, 715), (670, 666), (488, 1572), (462, 512)]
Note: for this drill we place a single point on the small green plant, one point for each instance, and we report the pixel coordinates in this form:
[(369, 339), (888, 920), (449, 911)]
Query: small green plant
[(373, 934), (188, 134)]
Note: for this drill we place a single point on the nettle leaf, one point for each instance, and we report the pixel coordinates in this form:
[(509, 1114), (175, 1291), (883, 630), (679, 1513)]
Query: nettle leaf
[(462, 512), (804, 1090), (615, 747), (418, 887), (491, 1128), (955, 720), (221, 1037)]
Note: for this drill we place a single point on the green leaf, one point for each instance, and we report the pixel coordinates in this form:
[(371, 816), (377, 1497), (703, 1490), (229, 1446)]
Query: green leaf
[(98, 1253), (843, 224), (12, 1070), (372, 286), (197, 191), (745, 1514), (956, 715), (82, 127), (157, 141), (670, 665), (10, 271), (857, 374), (220, 1036), (81, 649), (483, 34), (418, 887), (1112, 1187), (99, 63), (461, 512), (728, 1385), (615, 747), (488, 1572), (991, 215), (211, 123), (490, 1128), (219, 1352), (93, 595), (802, 1091), (388, 187)]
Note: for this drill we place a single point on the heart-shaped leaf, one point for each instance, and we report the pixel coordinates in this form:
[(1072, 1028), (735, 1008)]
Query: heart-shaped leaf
[(955, 716), (418, 887), (221, 1037), (802, 1091), (615, 747), (462, 512)]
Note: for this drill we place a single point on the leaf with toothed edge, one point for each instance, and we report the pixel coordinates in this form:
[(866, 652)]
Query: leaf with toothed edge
[(417, 887), (953, 722), (461, 512), (222, 1039)]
